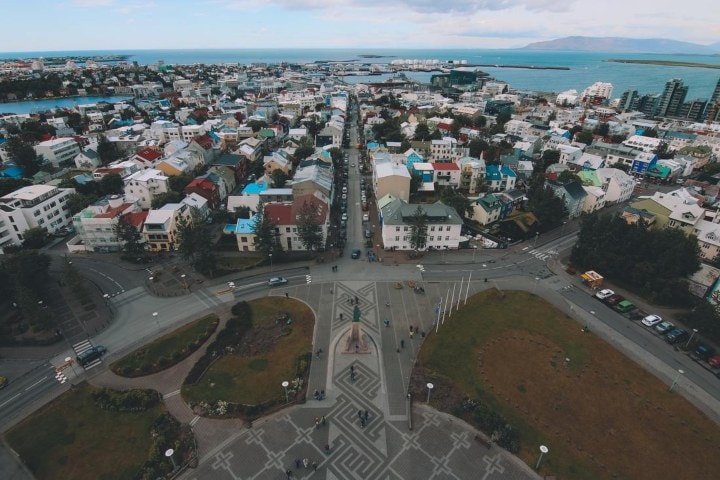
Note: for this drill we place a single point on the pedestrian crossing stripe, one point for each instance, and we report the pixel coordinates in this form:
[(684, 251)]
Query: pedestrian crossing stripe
[(540, 255)]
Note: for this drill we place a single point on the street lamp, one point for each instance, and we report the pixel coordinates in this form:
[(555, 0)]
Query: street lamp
[(271, 265), (182, 277), (677, 377), (474, 252), (537, 280), (695, 330), (155, 316), (543, 451), (537, 234), (69, 361), (429, 386), (169, 453), (285, 385)]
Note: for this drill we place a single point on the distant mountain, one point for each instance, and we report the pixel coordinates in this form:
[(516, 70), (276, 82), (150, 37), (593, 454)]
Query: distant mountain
[(624, 45)]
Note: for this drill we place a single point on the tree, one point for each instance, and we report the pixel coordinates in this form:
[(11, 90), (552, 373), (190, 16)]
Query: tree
[(177, 183), (130, 237), (77, 202), (24, 156), (111, 184), (243, 212), (305, 149), (549, 157), (549, 209), (35, 238), (257, 125), (264, 230), (477, 146), (195, 242), (422, 132), (584, 136), (107, 151), (27, 268), (415, 183), (164, 198), (459, 202), (279, 178), (502, 118), (566, 176), (9, 185), (602, 129), (663, 151), (309, 227), (650, 133), (418, 229)]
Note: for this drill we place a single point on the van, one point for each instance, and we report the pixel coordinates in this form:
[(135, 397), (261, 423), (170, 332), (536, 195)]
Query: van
[(90, 355)]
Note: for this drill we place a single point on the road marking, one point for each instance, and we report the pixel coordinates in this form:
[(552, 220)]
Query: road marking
[(171, 394), (10, 400), (108, 277), (194, 420), (36, 383)]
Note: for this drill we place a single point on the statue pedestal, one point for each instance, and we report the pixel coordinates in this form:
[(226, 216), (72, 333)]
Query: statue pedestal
[(356, 341)]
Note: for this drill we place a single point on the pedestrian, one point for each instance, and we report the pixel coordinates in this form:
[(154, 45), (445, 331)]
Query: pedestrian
[(386, 322), (341, 316), (324, 421), (387, 304), (322, 394), (317, 423), (288, 472), (367, 415), (287, 295), (327, 448), (362, 422), (352, 368), (411, 328), (297, 463), (356, 299), (305, 462), (360, 413), (314, 465), (402, 343), (411, 334), (422, 334)]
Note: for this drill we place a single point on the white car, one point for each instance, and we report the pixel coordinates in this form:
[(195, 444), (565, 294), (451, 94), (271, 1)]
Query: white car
[(651, 320), (344, 217), (604, 293), (344, 196)]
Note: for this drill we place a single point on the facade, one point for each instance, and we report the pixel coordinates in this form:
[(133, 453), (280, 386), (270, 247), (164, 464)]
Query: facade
[(572, 193), (34, 206), (396, 216), (87, 160), (391, 178), (490, 208), (618, 185), (160, 228), (500, 178), (447, 174), (95, 225), (472, 174), (145, 185), (59, 150)]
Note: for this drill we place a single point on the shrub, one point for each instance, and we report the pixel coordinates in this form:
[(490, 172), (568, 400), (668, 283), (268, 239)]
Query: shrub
[(125, 401)]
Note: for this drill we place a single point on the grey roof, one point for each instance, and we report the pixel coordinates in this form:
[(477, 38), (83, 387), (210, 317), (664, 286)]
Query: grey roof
[(575, 190), (399, 212)]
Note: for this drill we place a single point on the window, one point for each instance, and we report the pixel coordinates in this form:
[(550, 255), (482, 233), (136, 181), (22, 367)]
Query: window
[(287, 229), (397, 229), (432, 238), (448, 228), (405, 229), (397, 238), (447, 238), (432, 229)]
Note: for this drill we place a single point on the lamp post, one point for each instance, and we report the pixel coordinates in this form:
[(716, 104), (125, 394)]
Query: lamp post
[(677, 377), (537, 280), (271, 265), (474, 252), (184, 282), (543, 451), (285, 385), (694, 331), (69, 361), (429, 386), (169, 453), (537, 234), (155, 316)]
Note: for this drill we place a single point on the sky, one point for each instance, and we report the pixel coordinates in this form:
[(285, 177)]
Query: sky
[(45, 25)]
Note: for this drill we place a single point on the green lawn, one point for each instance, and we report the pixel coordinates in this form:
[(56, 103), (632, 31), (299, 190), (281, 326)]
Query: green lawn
[(71, 438), (255, 378), (600, 414), (168, 350)]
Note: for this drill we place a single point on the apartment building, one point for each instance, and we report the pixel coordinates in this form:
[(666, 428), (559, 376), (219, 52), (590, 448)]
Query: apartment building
[(58, 150), (42, 206), (96, 225), (145, 185), (396, 216)]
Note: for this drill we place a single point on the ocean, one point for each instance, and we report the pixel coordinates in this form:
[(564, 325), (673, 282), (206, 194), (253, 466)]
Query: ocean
[(585, 68)]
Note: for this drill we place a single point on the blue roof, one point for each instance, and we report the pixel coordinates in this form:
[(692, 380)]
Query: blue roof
[(214, 136), (244, 226), (12, 172), (2, 140), (508, 171), (373, 145), (493, 173), (255, 188)]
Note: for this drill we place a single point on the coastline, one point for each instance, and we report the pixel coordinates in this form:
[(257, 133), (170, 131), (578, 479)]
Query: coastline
[(665, 63)]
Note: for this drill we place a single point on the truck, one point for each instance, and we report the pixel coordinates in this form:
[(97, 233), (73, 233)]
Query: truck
[(593, 279)]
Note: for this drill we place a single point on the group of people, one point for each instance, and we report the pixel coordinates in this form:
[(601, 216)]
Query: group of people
[(302, 463), (319, 395), (364, 418)]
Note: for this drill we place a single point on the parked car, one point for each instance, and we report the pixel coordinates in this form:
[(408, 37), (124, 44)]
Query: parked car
[(676, 335), (714, 361), (651, 320), (604, 293), (702, 352), (664, 327), (344, 217), (625, 306), (614, 299), (90, 355), (355, 254), (277, 281)]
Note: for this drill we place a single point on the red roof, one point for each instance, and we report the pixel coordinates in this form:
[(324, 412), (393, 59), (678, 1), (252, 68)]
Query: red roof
[(300, 200), (445, 166), (205, 141), (280, 213), (114, 212), (201, 183), (136, 219), (444, 126), (148, 154), (108, 170)]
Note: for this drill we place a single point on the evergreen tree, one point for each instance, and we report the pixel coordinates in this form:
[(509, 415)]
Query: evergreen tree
[(264, 230), (309, 227), (418, 229)]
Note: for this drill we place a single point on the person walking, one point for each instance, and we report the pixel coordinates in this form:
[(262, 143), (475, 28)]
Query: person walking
[(287, 295), (317, 424), (305, 462), (323, 421), (402, 343), (288, 472), (411, 334), (314, 465), (386, 322)]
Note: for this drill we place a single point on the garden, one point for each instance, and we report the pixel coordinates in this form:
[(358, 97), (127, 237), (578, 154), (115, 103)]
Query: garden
[(167, 350), (93, 432), (527, 375), (268, 341)]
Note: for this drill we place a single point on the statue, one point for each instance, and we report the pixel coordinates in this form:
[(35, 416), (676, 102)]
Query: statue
[(356, 342)]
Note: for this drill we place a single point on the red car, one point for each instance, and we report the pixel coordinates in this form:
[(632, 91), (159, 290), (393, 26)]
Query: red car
[(714, 361), (613, 300)]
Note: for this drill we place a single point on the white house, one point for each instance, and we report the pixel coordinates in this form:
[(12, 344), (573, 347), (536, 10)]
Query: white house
[(145, 185), (58, 150), (396, 217), (96, 225), (87, 160), (617, 184), (646, 144)]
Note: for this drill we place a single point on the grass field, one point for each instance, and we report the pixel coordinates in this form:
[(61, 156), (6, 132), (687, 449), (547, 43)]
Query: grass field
[(71, 438), (600, 414), (254, 376), (167, 350)]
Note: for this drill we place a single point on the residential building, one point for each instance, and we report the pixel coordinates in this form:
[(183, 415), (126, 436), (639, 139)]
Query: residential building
[(643, 162), (209, 187), (285, 217), (672, 98), (572, 193), (59, 150), (391, 178), (87, 159), (472, 174), (500, 178), (517, 128), (443, 150), (594, 200), (95, 226), (396, 217), (160, 227), (447, 174), (646, 144), (618, 185), (490, 208), (145, 185), (34, 206)]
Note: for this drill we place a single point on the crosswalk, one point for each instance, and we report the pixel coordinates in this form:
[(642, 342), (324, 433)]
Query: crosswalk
[(543, 254), (84, 346)]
